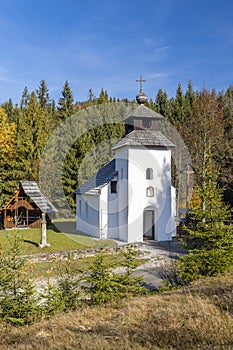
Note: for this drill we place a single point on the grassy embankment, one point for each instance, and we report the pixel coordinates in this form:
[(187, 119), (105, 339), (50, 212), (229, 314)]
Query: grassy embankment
[(199, 316), (59, 241)]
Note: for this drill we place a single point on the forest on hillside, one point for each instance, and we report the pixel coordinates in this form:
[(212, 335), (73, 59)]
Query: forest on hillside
[(203, 118)]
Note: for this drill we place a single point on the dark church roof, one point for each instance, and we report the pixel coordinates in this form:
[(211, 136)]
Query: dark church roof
[(144, 112), (144, 138), (31, 189), (99, 180)]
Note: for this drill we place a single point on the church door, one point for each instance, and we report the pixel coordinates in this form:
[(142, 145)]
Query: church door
[(149, 224)]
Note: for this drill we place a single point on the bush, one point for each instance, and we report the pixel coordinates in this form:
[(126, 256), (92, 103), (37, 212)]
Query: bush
[(18, 302), (200, 263)]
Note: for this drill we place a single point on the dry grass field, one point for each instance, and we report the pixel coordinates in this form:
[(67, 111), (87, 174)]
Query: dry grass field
[(199, 316)]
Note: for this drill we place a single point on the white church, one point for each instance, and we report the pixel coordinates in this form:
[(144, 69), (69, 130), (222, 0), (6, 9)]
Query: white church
[(131, 198)]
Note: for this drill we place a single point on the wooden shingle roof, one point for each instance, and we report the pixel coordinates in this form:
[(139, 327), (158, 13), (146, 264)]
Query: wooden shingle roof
[(144, 138), (143, 112), (31, 189)]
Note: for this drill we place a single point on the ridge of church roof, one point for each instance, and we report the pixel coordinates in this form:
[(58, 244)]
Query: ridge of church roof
[(144, 112), (144, 138), (99, 180)]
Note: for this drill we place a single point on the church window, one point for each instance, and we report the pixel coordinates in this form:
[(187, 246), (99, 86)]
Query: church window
[(80, 208), (150, 192), (113, 186), (122, 174), (146, 123), (149, 174)]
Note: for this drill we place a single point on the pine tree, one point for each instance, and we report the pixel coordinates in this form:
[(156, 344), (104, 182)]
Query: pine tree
[(210, 239), (68, 285), (25, 98), (103, 97), (226, 176), (66, 103), (18, 303), (178, 106), (190, 97), (101, 286), (43, 94), (161, 103), (33, 131)]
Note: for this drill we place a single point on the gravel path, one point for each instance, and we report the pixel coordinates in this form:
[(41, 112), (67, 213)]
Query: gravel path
[(158, 253)]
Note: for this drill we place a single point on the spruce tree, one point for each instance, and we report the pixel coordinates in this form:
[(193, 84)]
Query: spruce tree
[(66, 103), (161, 103), (43, 94), (210, 239), (18, 302), (25, 98), (101, 285), (33, 131)]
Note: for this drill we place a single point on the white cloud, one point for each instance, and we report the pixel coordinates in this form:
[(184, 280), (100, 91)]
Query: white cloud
[(161, 49), (157, 75)]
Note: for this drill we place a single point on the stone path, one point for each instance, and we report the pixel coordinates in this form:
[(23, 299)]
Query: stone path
[(158, 253)]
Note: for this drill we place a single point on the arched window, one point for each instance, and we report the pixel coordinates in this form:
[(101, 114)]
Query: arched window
[(149, 174), (80, 208), (150, 192)]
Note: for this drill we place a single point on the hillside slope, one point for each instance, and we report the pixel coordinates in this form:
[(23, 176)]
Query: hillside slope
[(199, 316)]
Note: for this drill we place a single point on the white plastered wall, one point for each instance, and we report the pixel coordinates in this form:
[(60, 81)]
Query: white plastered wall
[(159, 160), (88, 221)]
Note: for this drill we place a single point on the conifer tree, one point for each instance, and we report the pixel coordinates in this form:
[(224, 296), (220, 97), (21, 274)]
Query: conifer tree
[(103, 97), (31, 137), (210, 239), (178, 106), (43, 94), (190, 97), (25, 98), (66, 103), (18, 303), (161, 103)]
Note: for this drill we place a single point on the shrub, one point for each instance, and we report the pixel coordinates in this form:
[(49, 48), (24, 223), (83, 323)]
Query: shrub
[(18, 302)]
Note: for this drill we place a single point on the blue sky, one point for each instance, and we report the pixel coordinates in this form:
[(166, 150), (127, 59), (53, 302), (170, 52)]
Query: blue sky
[(95, 44)]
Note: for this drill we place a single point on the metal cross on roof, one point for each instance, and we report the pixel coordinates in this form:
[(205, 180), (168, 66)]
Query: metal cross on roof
[(140, 81)]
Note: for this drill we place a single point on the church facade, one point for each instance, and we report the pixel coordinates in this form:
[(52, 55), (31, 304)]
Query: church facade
[(131, 198)]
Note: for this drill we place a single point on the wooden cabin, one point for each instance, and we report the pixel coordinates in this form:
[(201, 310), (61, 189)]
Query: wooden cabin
[(25, 207)]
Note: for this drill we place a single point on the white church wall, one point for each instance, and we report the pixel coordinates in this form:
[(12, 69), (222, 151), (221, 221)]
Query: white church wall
[(103, 213), (139, 160), (173, 214), (113, 223), (121, 165), (88, 219)]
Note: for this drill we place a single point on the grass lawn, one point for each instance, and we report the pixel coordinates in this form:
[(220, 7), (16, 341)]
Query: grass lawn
[(69, 226), (59, 241)]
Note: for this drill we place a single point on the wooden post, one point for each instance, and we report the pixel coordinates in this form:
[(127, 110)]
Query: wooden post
[(43, 242)]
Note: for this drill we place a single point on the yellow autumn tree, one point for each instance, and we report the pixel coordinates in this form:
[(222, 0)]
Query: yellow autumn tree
[(7, 155)]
